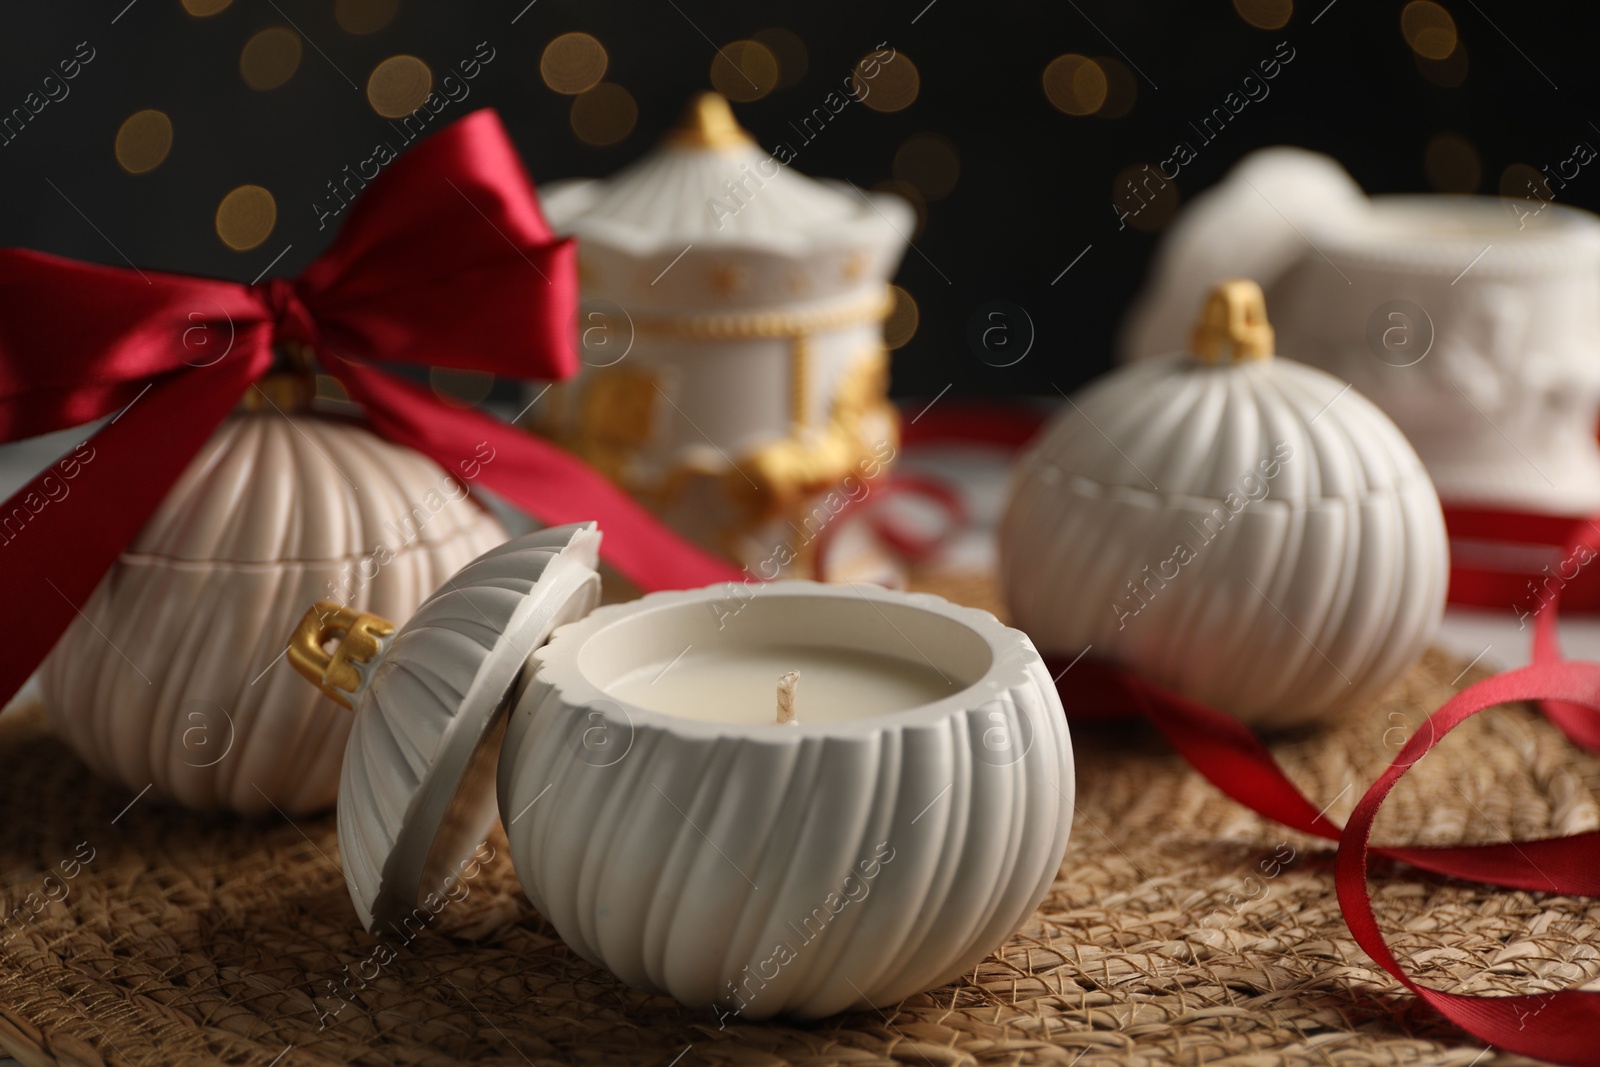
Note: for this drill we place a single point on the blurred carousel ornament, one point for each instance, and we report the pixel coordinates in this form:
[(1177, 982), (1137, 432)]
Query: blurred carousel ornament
[(1473, 322), (735, 373)]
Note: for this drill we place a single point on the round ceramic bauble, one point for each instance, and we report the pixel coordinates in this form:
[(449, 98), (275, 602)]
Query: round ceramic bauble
[(172, 675), (774, 871), (1243, 529)]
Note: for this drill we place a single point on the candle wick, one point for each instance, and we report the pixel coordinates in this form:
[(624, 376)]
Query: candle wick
[(787, 683)]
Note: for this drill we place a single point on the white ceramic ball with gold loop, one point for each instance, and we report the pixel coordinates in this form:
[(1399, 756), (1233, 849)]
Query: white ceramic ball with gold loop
[(1241, 528), (172, 675)]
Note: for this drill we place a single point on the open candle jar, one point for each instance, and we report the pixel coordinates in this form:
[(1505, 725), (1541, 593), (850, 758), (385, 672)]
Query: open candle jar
[(663, 818)]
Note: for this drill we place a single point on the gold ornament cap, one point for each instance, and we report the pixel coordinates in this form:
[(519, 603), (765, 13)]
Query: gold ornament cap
[(337, 674), (1233, 324), (288, 392), (288, 388), (708, 122)]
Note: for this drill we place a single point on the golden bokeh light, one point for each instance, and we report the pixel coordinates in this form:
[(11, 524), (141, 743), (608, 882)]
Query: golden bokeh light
[(1265, 14), (143, 141), (460, 388), (901, 324), (1075, 84), (573, 63), (398, 86), (604, 115), (744, 70), (364, 16), (1452, 164), (1520, 181), (1446, 73), (246, 217), (204, 8), (270, 58), (930, 162), (1428, 29), (1143, 198), (790, 52), (1122, 88), (886, 80)]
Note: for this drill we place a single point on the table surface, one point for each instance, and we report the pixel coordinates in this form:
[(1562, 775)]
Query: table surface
[(1061, 964)]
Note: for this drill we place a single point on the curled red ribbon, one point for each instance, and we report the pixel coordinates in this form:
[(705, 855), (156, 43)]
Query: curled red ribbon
[(1234, 760), (445, 260), (1557, 1026), (1548, 1026)]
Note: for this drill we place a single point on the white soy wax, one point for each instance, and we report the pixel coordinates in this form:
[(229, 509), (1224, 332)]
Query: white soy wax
[(739, 685)]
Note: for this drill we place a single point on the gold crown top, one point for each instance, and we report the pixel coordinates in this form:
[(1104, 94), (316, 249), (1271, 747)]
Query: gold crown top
[(336, 673), (708, 122), (1233, 321)]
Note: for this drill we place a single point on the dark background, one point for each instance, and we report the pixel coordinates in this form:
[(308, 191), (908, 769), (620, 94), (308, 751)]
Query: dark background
[(1035, 185)]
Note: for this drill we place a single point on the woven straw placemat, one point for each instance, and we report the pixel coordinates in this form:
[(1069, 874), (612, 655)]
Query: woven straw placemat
[(194, 938)]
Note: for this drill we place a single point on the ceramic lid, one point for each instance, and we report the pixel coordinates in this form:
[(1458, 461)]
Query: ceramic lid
[(1209, 425), (258, 492), (710, 183), (417, 792)]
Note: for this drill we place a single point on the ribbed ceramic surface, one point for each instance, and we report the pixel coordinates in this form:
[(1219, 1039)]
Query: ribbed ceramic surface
[(779, 871), (427, 703), (1321, 581), (173, 675)]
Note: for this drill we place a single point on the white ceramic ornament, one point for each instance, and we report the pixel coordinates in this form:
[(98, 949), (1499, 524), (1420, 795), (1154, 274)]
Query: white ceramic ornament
[(172, 675), (1473, 322), (1241, 528), (908, 820)]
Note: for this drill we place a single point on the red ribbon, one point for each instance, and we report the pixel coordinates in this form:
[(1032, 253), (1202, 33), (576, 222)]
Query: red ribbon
[(1480, 539), (912, 545), (444, 261), (1556, 1026), (1232, 758)]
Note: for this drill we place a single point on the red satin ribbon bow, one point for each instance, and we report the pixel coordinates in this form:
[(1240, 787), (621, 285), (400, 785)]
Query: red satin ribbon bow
[(445, 261)]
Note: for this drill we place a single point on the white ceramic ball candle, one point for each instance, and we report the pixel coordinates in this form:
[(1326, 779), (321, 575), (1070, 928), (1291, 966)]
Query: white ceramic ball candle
[(784, 799), (906, 823), (171, 675), (1242, 528)]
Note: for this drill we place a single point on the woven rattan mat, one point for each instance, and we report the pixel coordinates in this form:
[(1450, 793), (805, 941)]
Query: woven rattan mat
[(184, 937)]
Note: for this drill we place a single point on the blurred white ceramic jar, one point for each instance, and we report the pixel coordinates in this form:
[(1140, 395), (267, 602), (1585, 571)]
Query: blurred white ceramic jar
[(1473, 322)]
